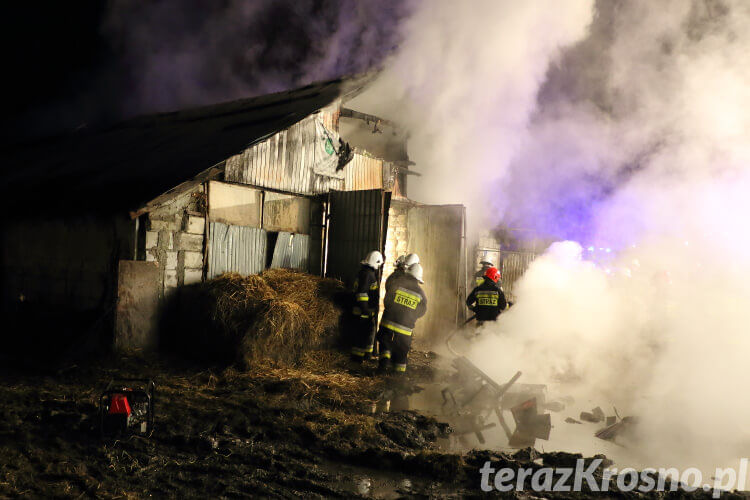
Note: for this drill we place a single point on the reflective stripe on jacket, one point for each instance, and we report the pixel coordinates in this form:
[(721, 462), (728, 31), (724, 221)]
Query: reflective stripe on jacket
[(366, 292), (487, 300), (404, 303)]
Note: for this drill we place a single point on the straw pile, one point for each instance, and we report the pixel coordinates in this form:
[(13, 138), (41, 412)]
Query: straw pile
[(321, 298), (278, 315)]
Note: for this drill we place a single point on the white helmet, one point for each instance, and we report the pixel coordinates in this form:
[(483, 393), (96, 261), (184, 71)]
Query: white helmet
[(411, 259), (374, 259), (416, 271)]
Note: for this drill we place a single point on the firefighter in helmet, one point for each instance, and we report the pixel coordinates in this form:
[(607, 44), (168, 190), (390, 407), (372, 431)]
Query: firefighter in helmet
[(487, 300), (402, 263), (404, 303), (479, 275), (366, 305)]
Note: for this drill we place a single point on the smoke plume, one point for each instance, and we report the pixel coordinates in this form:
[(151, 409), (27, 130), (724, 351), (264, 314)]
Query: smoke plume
[(621, 125), (125, 58), (464, 82), (181, 54)]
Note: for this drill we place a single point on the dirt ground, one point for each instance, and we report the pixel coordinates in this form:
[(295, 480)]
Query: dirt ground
[(272, 431)]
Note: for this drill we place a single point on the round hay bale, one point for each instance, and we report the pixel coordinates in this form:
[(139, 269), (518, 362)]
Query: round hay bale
[(207, 321), (278, 315), (320, 297), (280, 333)]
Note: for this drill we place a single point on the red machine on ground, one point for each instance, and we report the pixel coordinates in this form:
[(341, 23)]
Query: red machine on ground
[(126, 407)]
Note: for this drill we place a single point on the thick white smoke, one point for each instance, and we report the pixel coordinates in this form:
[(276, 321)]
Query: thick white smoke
[(643, 127), (464, 82), (672, 350)]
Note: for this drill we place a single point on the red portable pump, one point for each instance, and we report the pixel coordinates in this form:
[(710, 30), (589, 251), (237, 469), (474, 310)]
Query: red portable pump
[(126, 406)]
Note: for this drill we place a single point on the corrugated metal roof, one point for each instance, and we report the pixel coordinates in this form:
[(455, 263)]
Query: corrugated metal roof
[(363, 172), (235, 248)]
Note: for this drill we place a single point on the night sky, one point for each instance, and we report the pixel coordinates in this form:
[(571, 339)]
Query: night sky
[(86, 63), (51, 51)]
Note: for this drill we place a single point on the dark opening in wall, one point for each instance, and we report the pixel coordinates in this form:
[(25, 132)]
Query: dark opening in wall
[(140, 246), (272, 237)]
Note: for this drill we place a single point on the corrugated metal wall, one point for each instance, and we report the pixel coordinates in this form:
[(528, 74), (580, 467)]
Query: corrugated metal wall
[(514, 265), (363, 172), (357, 226), (291, 251), (284, 162), (330, 116), (235, 248)]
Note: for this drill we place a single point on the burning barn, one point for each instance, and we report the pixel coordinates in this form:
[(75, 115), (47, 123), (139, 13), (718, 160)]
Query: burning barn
[(109, 222)]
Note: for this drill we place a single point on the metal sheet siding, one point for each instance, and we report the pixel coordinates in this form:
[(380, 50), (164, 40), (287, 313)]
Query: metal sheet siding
[(363, 172), (235, 249), (284, 162), (357, 226), (300, 252), (330, 116), (292, 251), (435, 233), (514, 265)]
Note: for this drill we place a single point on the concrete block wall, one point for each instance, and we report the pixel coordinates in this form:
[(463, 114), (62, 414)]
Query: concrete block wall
[(396, 240), (397, 237), (175, 239)]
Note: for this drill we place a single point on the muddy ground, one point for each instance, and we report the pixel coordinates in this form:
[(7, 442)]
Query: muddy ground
[(271, 431)]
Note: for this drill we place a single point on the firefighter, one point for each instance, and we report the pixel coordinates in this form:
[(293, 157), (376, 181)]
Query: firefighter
[(402, 263), (487, 300), (366, 305), (479, 275), (404, 303)]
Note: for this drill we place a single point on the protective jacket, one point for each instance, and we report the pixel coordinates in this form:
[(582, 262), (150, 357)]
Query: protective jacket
[(404, 303), (366, 292), (487, 301), (399, 271)]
